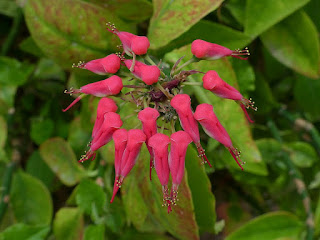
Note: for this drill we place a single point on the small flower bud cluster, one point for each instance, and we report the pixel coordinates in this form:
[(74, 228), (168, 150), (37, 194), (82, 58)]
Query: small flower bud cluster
[(161, 102)]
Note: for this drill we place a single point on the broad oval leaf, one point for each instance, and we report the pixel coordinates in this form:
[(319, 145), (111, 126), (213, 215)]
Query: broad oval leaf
[(59, 156), (301, 154), (269, 226), (172, 18), (71, 30), (23, 231), (68, 224), (94, 232), (294, 42), (31, 200), (261, 15)]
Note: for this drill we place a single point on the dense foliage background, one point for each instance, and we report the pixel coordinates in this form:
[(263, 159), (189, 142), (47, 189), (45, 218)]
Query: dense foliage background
[(46, 194)]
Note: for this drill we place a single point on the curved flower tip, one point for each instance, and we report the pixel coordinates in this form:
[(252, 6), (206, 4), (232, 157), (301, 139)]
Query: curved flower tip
[(205, 115), (148, 117), (213, 82), (210, 51), (101, 66), (116, 186), (108, 87), (149, 74), (105, 105), (140, 45)]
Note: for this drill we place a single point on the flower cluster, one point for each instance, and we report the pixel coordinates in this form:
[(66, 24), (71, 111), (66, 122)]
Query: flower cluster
[(160, 101)]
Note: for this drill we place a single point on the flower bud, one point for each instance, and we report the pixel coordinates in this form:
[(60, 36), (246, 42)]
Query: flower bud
[(105, 105), (148, 117), (211, 51), (140, 45), (102, 66), (213, 83), (205, 115), (179, 144), (149, 74), (110, 86), (120, 138)]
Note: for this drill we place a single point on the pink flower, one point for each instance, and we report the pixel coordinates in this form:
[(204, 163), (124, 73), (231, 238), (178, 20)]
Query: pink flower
[(110, 124), (148, 117), (182, 104), (102, 66), (211, 51), (159, 144), (131, 43), (212, 82), (110, 86), (179, 144), (105, 105), (211, 125), (149, 74), (135, 140), (120, 138)]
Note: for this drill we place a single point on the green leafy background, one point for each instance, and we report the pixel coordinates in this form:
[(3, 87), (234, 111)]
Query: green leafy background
[(46, 194)]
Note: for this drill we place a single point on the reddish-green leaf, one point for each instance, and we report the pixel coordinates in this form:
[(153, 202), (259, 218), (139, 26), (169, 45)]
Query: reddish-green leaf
[(71, 30), (172, 18)]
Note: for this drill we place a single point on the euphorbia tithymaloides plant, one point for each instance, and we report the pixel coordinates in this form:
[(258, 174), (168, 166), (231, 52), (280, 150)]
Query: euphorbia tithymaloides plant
[(160, 100)]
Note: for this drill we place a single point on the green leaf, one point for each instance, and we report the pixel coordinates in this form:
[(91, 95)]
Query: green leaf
[(172, 18), (269, 226), (21, 231), (245, 75), (94, 232), (73, 30), (202, 197), (13, 72), (3, 132), (39, 169), (28, 45), (302, 154), (261, 15), (48, 69), (129, 235), (90, 197), (270, 149), (317, 218), (228, 112), (68, 224), (294, 42), (312, 9), (31, 200), (211, 32), (238, 9), (8, 8), (306, 92), (78, 137), (41, 129), (59, 156)]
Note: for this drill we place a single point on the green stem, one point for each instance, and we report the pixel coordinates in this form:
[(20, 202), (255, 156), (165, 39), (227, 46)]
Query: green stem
[(13, 32), (299, 182), (192, 60), (133, 63), (7, 178), (192, 83)]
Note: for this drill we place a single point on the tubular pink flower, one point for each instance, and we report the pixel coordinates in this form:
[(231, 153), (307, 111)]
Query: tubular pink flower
[(131, 43), (110, 124), (135, 140), (148, 117), (102, 66), (205, 115), (110, 86), (120, 138), (159, 144), (149, 74), (179, 144), (211, 51), (105, 105), (212, 82), (182, 104)]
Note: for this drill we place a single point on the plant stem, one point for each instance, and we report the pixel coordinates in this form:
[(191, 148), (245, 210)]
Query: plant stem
[(13, 32), (300, 185), (192, 83), (7, 178), (192, 60)]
